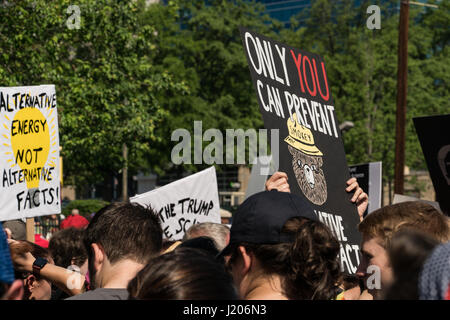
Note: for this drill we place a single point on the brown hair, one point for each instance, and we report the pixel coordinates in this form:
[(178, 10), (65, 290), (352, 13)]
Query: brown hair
[(67, 245), (309, 266), (22, 247), (125, 231), (416, 215)]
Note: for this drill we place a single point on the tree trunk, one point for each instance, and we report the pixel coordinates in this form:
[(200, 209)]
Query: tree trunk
[(125, 173)]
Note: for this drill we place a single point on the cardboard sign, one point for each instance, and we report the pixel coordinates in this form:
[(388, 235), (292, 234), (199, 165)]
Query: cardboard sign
[(29, 152), (262, 167), (399, 198), (369, 179), (434, 137), (294, 96), (185, 202)]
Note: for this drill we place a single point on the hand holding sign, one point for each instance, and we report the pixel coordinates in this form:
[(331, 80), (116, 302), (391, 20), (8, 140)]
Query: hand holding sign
[(359, 197), (278, 181)]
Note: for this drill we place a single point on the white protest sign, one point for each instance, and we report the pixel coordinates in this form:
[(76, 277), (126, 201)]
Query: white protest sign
[(399, 198), (262, 167), (29, 152), (369, 179), (185, 202)]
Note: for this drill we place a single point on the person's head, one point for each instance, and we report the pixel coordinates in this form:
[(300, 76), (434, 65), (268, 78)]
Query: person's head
[(10, 288), (216, 231), (121, 232), (75, 212), (225, 216), (434, 279), (407, 253), (276, 238), (36, 288), (183, 274), (378, 228), (67, 248), (17, 228), (202, 243)]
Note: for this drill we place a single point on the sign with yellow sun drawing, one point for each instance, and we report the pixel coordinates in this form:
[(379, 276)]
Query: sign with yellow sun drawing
[(29, 152)]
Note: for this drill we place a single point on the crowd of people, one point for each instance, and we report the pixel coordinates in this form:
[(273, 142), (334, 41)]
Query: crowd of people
[(276, 249)]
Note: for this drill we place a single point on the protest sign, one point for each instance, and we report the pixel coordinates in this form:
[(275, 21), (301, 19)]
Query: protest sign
[(261, 167), (369, 179), (294, 96), (29, 152), (436, 149), (185, 202), (399, 198)]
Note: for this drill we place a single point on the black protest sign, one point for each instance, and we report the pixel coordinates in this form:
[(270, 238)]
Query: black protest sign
[(294, 96), (434, 137)]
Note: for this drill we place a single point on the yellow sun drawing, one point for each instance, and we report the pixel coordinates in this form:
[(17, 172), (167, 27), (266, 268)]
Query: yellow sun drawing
[(33, 144)]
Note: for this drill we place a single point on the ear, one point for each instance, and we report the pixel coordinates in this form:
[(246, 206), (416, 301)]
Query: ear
[(99, 256), (30, 282), (247, 259), (15, 292)]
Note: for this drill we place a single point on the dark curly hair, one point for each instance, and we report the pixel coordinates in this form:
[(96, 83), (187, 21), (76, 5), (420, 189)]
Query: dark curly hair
[(313, 260), (66, 246), (309, 266)]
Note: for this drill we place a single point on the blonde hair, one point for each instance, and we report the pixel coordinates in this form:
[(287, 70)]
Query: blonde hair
[(416, 215)]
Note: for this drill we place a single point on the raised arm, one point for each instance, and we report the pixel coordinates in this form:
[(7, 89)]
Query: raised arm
[(69, 281)]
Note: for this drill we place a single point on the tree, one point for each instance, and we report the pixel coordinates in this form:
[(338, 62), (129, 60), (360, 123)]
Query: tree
[(107, 84), (362, 68), (134, 72), (202, 47)]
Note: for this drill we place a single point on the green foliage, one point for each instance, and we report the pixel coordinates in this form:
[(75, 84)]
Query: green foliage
[(133, 73), (201, 45), (86, 207), (105, 78), (362, 68)]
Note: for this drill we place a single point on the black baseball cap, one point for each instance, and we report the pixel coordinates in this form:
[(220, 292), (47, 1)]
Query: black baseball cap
[(261, 217)]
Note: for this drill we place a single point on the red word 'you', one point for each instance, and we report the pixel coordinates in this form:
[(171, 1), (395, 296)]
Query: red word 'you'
[(304, 62)]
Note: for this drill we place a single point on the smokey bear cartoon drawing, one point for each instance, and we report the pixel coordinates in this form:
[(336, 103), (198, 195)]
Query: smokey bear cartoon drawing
[(306, 162)]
